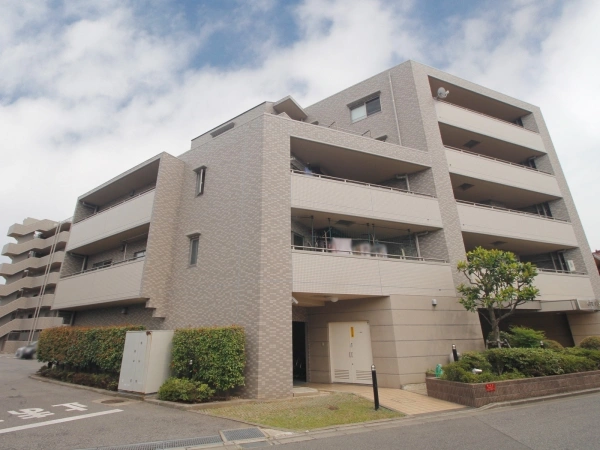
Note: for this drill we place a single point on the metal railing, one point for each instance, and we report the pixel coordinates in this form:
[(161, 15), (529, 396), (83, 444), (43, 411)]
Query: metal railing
[(374, 255), (362, 183), (136, 195), (521, 166), (500, 208), (107, 266), (486, 115), (567, 272)]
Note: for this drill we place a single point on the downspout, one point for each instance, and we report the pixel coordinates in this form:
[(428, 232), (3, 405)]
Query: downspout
[(394, 105)]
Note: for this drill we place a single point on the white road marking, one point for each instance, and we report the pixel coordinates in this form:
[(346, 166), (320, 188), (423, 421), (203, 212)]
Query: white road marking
[(52, 422)]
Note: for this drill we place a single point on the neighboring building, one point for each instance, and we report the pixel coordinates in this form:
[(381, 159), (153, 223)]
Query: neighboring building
[(31, 278), (332, 233), (596, 255)]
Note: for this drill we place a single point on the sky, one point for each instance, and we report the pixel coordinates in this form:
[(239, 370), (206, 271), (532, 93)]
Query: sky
[(89, 89)]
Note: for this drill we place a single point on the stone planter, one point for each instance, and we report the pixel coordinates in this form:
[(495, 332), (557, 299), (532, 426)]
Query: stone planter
[(480, 394)]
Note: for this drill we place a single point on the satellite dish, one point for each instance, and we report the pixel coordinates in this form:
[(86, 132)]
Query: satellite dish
[(442, 93)]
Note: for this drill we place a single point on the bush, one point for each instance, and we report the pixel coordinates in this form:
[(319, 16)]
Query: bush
[(523, 337), (593, 355), (184, 390), (106, 381), (217, 354), (85, 349), (552, 345), (591, 343)]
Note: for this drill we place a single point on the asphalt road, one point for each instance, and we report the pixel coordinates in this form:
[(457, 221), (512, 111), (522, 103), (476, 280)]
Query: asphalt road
[(81, 421), (570, 423)]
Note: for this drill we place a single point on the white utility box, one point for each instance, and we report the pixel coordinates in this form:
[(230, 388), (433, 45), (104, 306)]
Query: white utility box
[(146, 361)]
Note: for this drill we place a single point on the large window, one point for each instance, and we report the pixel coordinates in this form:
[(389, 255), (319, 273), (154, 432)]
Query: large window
[(194, 242), (359, 112), (200, 178)]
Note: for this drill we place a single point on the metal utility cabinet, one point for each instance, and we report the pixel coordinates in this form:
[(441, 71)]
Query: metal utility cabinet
[(146, 361)]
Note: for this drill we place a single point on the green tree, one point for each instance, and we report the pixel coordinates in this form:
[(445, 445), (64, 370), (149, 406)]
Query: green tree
[(498, 283)]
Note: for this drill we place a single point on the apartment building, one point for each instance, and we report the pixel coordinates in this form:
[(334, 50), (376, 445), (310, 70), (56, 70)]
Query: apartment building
[(332, 232), (31, 278)]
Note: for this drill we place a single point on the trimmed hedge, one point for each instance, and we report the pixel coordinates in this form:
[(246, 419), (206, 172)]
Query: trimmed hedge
[(217, 354), (591, 343), (511, 363), (524, 337), (184, 390), (109, 381), (85, 349)]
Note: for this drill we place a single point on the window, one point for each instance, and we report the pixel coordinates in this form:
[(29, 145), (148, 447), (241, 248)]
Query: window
[(194, 241), (200, 177), (363, 110), (101, 264), (139, 254)]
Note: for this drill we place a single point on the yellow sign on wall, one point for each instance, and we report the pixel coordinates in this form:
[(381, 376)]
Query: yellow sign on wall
[(351, 331)]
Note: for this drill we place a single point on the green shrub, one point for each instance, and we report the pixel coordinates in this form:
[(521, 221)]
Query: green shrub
[(523, 337), (85, 349), (474, 360), (107, 381), (593, 355), (536, 362), (504, 336), (552, 345), (184, 390), (217, 354), (591, 343)]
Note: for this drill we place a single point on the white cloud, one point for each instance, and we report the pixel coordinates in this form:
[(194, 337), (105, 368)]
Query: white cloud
[(86, 99)]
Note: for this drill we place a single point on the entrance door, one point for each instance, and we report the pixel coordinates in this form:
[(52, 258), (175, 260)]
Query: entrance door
[(350, 352)]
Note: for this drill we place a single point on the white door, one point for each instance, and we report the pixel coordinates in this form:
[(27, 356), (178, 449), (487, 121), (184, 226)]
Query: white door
[(350, 352)]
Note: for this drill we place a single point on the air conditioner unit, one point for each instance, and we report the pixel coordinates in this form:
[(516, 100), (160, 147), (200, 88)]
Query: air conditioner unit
[(571, 265)]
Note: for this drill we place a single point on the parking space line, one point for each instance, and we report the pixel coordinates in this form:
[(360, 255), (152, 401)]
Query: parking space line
[(52, 422)]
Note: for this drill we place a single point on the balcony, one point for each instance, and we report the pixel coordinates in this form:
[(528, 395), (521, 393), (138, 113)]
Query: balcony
[(117, 284), (358, 199), (28, 283), (19, 229), (37, 244), (500, 177), (462, 118), (25, 303), (120, 222), (565, 292), (8, 269), (325, 274), (513, 230), (26, 324)]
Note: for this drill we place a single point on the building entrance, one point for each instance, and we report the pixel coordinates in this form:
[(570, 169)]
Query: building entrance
[(299, 350)]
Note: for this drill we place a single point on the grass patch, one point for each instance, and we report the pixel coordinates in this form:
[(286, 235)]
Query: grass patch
[(307, 413)]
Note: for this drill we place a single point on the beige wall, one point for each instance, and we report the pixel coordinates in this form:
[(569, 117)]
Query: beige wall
[(493, 222), (98, 287), (489, 126), (560, 286), (502, 173), (330, 273), (321, 194)]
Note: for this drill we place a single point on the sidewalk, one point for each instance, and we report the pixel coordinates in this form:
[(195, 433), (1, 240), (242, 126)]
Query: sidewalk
[(400, 400)]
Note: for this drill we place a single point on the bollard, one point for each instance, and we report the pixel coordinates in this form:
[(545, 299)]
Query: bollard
[(542, 344), (375, 391), (191, 363), (454, 353)]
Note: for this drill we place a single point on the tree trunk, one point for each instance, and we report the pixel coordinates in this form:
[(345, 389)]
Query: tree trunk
[(495, 327)]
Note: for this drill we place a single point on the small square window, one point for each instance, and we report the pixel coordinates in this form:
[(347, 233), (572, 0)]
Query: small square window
[(363, 110), (200, 178), (194, 242)]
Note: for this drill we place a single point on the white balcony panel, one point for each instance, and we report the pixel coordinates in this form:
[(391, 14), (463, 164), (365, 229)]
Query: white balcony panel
[(119, 218), (26, 324), (102, 286), (487, 169), (339, 274), (488, 126), (321, 194), (496, 222), (563, 286)]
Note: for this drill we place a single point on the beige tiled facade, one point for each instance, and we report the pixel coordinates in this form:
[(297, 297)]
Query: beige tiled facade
[(386, 178)]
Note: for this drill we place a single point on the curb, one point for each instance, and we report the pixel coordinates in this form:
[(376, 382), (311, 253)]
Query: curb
[(526, 401)]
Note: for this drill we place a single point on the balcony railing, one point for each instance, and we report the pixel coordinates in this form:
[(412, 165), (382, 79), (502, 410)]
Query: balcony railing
[(485, 115), (521, 166), (107, 266), (137, 194), (361, 183), (500, 208), (567, 272), (366, 254)]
